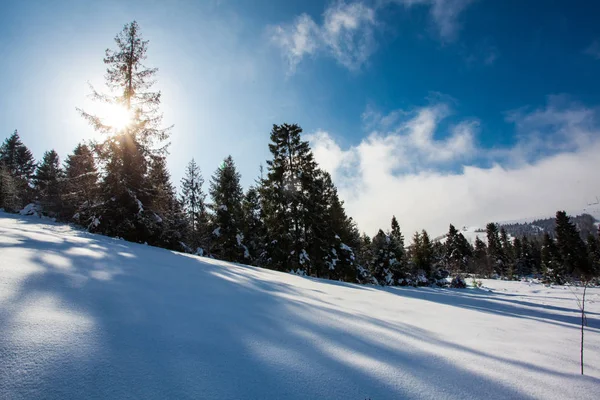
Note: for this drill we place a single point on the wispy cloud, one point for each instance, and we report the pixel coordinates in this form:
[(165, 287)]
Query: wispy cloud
[(404, 171), (445, 14), (347, 30), (593, 49), (346, 34)]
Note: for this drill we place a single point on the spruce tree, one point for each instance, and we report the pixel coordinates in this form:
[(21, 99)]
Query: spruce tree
[(593, 246), (398, 263), (495, 252), (480, 258), (340, 237), (551, 263), (9, 199), (422, 254), (571, 248), (125, 196), (381, 260), (365, 257), (289, 200), (458, 251), (507, 251), (253, 227), (166, 223), (194, 207), (20, 164), (48, 182), (226, 195), (81, 185)]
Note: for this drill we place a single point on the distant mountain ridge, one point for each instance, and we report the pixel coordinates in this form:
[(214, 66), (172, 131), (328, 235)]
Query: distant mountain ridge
[(586, 224)]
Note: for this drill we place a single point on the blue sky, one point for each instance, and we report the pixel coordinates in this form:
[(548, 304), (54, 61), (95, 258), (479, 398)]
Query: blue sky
[(437, 111)]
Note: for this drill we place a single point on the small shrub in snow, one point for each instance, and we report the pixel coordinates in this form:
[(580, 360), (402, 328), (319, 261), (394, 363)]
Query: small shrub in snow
[(476, 283)]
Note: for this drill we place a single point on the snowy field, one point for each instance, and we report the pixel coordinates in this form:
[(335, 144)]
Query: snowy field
[(88, 317)]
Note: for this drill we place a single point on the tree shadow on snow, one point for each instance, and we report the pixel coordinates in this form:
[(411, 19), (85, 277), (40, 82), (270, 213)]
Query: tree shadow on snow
[(132, 321)]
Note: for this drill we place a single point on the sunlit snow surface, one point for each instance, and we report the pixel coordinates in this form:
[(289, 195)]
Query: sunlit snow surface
[(88, 317)]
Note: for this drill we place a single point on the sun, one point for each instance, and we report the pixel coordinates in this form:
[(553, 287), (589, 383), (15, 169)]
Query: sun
[(115, 116)]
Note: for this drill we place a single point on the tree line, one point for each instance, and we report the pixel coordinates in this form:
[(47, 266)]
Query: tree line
[(290, 219)]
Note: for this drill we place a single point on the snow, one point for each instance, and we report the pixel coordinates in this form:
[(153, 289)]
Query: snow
[(86, 316), (30, 209), (217, 231)]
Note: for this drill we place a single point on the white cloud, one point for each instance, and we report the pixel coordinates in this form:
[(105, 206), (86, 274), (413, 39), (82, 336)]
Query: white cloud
[(297, 39), (444, 14), (347, 30), (402, 172), (346, 34)]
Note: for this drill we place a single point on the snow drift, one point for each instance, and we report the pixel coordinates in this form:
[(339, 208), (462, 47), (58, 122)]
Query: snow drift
[(85, 316)]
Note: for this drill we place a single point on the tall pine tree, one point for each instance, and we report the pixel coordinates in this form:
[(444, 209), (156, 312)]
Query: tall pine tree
[(48, 184), (18, 161), (194, 207), (125, 208), (226, 195), (288, 197), (81, 185)]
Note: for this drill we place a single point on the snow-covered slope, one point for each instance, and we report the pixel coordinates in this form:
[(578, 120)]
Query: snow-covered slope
[(84, 316)]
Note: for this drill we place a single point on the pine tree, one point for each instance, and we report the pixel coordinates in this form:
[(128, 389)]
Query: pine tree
[(253, 227), (551, 263), (81, 185), (593, 246), (364, 258), (194, 207), (340, 236), (480, 258), (124, 209), (168, 227), (458, 251), (496, 255), (226, 194), (20, 164), (289, 200), (507, 251), (380, 265), (422, 254), (9, 199), (48, 182), (571, 247), (398, 263)]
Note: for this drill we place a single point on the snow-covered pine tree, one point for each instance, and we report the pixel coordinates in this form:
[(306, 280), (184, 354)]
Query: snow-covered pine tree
[(286, 199), (571, 247), (48, 184), (340, 236), (20, 164), (593, 246), (496, 255), (480, 263), (381, 258), (167, 220), (194, 207), (124, 208), (226, 195), (398, 262), (9, 199), (422, 254), (81, 185), (508, 252), (551, 267), (253, 227), (364, 259), (458, 251)]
